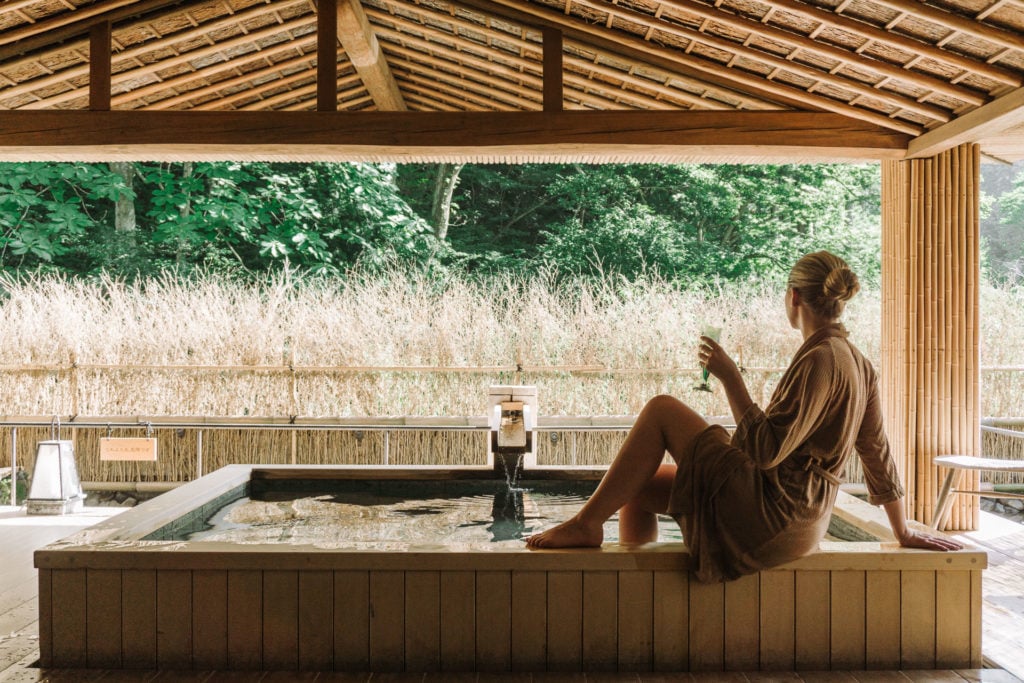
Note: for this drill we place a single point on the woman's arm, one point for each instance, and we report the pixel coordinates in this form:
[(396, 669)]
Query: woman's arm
[(722, 366), (909, 538)]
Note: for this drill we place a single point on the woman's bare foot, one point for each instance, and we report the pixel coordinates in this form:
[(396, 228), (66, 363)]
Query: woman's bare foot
[(571, 533)]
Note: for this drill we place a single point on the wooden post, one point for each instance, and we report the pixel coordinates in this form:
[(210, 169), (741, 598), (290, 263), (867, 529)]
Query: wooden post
[(327, 55), (552, 69), (100, 37), (930, 347)]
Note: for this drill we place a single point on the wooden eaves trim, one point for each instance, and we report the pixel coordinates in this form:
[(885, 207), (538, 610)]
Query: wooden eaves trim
[(407, 136), (994, 118)]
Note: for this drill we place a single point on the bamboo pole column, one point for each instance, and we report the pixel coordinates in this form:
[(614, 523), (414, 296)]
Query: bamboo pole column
[(930, 347)]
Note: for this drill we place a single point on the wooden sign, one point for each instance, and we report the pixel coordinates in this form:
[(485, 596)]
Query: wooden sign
[(128, 449)]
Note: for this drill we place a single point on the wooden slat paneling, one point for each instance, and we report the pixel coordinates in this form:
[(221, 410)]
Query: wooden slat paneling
[(636, 620), (812, 620), (45, 618), (387, 620), (138, 616), (69, 617), (173, 618), (458, 621), (600, 614), (529, 620), (848, 620), (565, 621), (316, 620), (422, 621), (103, 624), (917, 619), (707, 626), (882, 613), (952, 628), (352, 620), (493, 621), (742, 623), (245, 619), (281, 620), (778, 620), (671, 637), (210, 619)]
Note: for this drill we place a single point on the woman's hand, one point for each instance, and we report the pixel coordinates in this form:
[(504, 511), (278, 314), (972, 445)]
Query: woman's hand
[(712, 356), (919, 539)]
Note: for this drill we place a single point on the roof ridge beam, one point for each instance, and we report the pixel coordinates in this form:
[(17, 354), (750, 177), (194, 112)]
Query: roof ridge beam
[(363, 50)]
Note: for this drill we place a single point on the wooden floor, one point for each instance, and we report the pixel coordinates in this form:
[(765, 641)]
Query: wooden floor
[(20, 535)]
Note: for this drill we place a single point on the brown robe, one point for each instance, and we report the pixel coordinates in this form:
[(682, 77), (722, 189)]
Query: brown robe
[(765, 497)]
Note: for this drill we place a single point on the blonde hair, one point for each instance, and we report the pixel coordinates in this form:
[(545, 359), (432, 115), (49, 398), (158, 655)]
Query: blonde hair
[(825, 283)]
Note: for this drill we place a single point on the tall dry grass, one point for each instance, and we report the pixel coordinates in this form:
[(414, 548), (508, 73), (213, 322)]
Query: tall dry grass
[(642, 333)]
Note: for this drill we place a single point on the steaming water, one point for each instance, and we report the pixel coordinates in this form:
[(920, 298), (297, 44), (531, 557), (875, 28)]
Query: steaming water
[(369, 522)]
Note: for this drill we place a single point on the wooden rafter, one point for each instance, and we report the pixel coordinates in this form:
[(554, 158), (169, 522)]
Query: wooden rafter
[(361, 46), (995, 117), (956, 22), (244, 40), (422, 13), (173, 135), (896, 40), (846, 57), (623, 44)]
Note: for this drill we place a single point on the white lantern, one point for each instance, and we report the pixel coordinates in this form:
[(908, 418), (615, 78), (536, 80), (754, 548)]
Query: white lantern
[(55, 488)]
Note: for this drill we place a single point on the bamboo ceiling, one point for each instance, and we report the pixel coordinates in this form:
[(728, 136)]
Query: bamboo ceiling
[(932, 74)]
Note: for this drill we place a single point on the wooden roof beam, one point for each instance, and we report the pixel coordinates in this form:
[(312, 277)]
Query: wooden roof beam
[(639, 49), (955, 22), (742, 50), (827, 50), (907, 44), (406, 136), (994, 118), (363, 50), (166, 42), (421, 12)]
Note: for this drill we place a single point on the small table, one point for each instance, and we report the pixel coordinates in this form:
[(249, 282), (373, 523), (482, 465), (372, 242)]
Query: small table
[(956, 464)]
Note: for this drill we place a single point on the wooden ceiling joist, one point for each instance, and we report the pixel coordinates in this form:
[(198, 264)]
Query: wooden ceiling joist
[(362, 49), (404, 136)]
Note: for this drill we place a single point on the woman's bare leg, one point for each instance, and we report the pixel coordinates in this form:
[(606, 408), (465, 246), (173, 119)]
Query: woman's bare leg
[(638, 519), (665, 424)]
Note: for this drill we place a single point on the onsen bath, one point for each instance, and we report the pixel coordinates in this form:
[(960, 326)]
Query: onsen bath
[(142, 591)]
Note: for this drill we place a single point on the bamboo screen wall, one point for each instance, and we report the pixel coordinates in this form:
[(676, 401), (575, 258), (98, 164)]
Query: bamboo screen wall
[(930, 346)]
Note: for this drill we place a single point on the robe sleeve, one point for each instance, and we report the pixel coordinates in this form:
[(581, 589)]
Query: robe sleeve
[(880, 474), (795, 412)]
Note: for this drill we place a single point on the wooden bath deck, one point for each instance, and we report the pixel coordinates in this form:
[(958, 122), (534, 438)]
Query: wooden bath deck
[(20, 535)]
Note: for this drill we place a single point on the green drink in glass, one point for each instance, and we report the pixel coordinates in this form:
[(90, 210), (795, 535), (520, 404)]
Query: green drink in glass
[(713, 333)]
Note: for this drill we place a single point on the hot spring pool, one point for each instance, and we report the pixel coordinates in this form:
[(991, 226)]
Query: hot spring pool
[(157, 587), (392, 515)]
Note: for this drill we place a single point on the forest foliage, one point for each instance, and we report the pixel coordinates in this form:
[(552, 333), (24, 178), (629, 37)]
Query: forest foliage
[(687, 223)]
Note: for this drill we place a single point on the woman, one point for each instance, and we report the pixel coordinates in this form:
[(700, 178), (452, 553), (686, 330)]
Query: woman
[(763, 497)]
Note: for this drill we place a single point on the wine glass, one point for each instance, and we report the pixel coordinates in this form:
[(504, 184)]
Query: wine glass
[(714, 333)]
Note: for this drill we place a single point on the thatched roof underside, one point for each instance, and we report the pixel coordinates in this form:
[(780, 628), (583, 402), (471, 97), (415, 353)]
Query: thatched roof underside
[(901, 66)]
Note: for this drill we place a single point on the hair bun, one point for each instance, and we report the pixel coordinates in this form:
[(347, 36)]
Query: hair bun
[(841, 284)]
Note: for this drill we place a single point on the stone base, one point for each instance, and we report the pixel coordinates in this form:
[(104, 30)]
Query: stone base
[(35, 506)]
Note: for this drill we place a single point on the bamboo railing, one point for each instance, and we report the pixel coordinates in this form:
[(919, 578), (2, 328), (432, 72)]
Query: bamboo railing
[(930, 332)]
